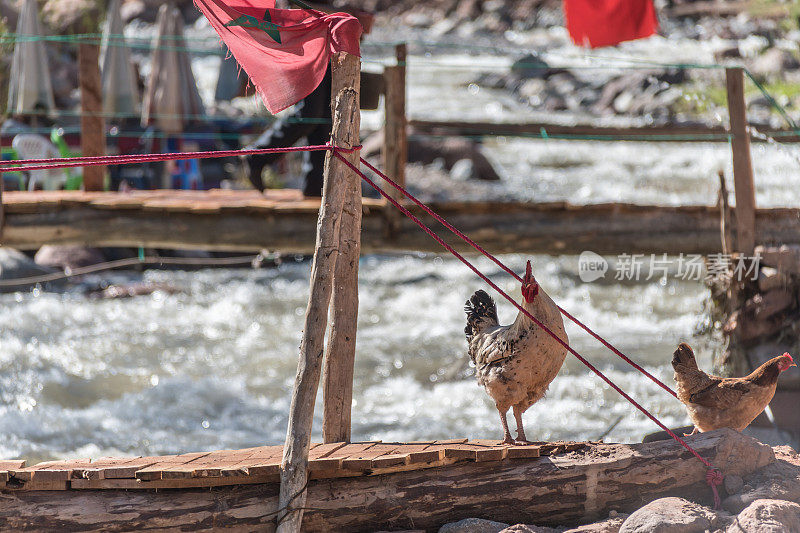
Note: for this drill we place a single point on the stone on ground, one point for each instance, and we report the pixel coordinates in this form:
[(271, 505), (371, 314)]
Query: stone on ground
[(673, 515), (767, 516), (473, 525)]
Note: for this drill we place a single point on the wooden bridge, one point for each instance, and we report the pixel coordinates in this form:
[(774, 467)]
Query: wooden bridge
[(367, 486), (285, 221)]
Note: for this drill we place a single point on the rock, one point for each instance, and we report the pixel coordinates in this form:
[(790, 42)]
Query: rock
[(530, 66), (449, 151), (774, 61), (733, 484), (767, 516), (473, 525), (524, 528), (727, 53), (785, 258), (63, 257), (15, 264), (770, 278), (463, 170), (610, 525), (672, 515)]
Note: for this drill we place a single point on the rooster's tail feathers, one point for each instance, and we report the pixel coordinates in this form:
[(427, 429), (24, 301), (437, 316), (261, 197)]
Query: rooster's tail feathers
[(684, 357), (481, 312)]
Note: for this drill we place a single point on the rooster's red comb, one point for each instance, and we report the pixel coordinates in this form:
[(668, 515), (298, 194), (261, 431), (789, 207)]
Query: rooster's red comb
[(786, 354), (528, 269)]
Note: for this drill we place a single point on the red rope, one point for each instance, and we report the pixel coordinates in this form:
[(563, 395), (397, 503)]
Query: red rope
[(69, 162), (711, 478), (496, 261)]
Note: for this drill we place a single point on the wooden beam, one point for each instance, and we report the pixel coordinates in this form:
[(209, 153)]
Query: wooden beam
[(501, 227), (672, 133), (93, 129), (337, 389), (565, 489), (294, 468), (395, 138), (744, 188)]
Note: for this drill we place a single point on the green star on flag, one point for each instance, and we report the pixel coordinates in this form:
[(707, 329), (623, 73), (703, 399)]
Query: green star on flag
[(266, 25)]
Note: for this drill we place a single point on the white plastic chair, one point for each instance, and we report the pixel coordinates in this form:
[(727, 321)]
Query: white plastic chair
[(32, 146)]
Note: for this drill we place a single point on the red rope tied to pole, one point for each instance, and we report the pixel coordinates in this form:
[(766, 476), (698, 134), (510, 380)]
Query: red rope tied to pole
[(713, 474)]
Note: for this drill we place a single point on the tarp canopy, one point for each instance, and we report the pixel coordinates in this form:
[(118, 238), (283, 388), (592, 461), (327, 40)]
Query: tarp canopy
[(171, 98), (120, 88), (30, 89)]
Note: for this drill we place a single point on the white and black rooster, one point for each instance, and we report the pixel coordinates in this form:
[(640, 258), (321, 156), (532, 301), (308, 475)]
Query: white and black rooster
[(515, 363)]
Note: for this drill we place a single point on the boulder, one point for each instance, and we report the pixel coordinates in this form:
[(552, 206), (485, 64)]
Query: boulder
[(63, 257), (15, 264), (609, 525), (473, 525), (767, 516), (524, 528), (774, 61), (672, 515)]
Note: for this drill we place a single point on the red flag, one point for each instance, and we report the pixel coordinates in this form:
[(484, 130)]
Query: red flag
[(284, 51), (596, 23)]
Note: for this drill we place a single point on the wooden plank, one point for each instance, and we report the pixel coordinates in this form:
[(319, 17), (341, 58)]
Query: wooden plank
[(744, 187), (363, 460), (500, 227)]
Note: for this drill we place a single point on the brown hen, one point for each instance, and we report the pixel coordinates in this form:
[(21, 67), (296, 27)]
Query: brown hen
[(515, 363), (714, 402)]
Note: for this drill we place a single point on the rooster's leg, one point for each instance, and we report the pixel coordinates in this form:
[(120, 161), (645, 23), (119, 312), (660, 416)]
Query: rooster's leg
[(506, 433), (518, 410), (692, 433)]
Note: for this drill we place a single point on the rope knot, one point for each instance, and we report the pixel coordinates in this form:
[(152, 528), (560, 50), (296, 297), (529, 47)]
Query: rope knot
[(343, 150), (714, 478)]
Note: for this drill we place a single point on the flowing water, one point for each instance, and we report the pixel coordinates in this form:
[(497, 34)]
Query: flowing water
[(212, 365)]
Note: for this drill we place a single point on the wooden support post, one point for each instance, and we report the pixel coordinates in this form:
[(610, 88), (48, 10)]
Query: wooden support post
[(744, 188), (294, 467), (395, 142), (337, 389), (93, 128)]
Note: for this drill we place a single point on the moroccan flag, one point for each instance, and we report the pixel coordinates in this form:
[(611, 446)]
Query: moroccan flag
[(596, 23), (284, 51)]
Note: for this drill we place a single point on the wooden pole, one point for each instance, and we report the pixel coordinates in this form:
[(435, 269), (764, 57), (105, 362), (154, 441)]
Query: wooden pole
[(93, 128), (744, 188), (395, 141), (294, 467), (337, 389)]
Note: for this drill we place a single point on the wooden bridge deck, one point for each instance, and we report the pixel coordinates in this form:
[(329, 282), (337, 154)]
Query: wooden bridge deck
[(283, 220), (262, 464)]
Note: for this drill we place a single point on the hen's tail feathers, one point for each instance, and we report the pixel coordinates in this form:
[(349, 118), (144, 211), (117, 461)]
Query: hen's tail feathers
[(683, 358), (481, 312)]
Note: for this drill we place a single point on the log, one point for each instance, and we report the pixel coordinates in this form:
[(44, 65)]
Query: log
[(93, 129), (744, 188), (340, 355), (670, 133), (566, 489), (501, 227), (294, 467)]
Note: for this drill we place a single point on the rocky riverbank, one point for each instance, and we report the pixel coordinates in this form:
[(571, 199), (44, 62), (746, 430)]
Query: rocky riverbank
[(767, 501)]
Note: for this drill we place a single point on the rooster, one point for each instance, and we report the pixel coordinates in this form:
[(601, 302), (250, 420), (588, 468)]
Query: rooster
[(515, 363), (714, 402)]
